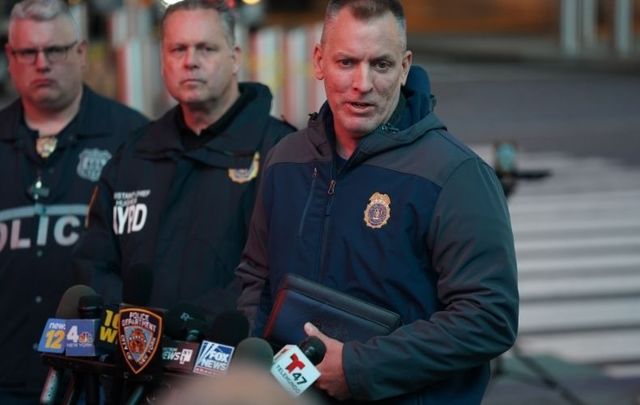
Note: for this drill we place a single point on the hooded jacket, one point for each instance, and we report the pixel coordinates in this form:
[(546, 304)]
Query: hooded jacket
[(171, 222), (415, 222)]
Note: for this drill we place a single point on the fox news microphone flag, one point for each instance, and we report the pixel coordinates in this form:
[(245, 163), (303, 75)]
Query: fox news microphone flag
[(215, 354)]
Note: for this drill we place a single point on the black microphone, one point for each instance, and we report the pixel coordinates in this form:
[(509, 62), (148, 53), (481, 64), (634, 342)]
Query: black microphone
[(314, 349), (137, 284), (184, 330), (185, 322), (91, 307), (255, 352), (227, 330), (67, 309)]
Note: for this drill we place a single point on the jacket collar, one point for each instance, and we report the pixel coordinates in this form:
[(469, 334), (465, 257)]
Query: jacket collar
[(88, 122), (234, 146), (384, 137)]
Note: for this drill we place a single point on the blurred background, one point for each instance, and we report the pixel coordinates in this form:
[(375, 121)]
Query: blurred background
[(548, 91)]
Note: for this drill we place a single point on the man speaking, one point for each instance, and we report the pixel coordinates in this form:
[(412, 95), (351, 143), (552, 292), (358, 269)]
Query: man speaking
[(376, 199)]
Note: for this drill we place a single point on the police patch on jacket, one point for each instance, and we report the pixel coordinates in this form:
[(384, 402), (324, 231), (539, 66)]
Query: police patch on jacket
[(244, 175), (91, 162), (378, 211)]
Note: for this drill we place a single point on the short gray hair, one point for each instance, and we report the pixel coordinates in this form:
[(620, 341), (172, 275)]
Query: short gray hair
[(365, 10), (226, 14), (42, 10)]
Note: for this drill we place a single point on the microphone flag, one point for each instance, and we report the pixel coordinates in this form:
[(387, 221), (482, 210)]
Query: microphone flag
[(293, 370), (140, 333), (53, 336), (213, 358), (81, 336)]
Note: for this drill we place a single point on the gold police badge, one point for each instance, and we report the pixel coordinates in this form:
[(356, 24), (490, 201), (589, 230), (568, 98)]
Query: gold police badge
[(378, 211), (244, 175)]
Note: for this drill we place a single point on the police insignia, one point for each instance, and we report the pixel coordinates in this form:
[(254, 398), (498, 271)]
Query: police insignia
[(244, 175), (378, 211), (139, 332), (91, 162)]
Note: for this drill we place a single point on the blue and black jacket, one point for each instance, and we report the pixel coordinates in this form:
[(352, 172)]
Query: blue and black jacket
[(415, 222)]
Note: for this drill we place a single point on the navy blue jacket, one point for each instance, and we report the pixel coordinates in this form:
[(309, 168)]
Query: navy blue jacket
[(182, 213), (414, 222), (37, 237)]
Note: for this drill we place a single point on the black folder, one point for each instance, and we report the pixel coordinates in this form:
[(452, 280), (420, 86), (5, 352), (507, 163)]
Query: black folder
[(335, 313)]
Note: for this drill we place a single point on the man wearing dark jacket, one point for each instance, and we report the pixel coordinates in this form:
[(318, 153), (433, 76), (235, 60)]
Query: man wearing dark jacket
[(376, 199), (173, 206), (54, 141)]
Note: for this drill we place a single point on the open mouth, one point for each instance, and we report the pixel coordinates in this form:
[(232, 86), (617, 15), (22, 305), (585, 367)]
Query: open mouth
[(357, 106)]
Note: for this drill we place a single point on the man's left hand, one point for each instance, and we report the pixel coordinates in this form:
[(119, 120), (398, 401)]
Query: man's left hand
[(332, 379)]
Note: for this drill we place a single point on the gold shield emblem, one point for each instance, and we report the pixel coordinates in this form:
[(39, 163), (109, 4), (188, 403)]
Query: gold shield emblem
[(244, 175), (378, 211)]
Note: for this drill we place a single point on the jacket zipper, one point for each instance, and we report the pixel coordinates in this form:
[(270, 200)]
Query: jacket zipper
[(314, 176), (331, 191)]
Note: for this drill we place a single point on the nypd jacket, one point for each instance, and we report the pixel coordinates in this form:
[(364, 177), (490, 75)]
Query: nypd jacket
[(179, 215), (415, 222), (40, 225)]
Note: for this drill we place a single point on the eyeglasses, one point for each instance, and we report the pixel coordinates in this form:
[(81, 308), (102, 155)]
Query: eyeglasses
[(53, 54)]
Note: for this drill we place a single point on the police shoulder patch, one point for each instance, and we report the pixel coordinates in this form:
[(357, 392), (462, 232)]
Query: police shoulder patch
[(378, 211), (91, 162)]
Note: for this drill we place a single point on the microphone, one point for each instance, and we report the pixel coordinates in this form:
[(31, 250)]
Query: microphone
[(255, 352), (54, 334), (137, 284), (185, 323), (227, 330), (81, 333), (294, 366)]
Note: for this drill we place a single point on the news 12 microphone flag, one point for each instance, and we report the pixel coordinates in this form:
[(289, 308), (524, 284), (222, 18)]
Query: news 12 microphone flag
[(53, 339)]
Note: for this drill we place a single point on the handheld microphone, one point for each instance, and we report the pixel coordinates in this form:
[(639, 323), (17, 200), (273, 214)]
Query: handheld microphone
[(227, 330), (54, 334), (294, 366)]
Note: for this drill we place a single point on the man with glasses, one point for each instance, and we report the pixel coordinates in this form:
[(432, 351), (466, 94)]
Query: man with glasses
[(54, 141)]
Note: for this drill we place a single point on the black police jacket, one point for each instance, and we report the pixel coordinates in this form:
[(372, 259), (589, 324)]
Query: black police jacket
[(40, 225), (180, 215)]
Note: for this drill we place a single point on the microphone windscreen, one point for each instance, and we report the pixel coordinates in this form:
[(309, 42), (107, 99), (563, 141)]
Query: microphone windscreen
[(253, 351), (229, 328), (314, 349), (180, 317), (68, 305), (90, 307), (136, 285)]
